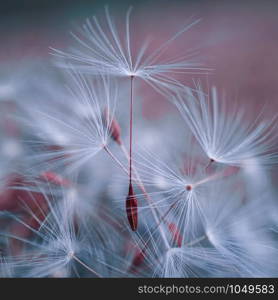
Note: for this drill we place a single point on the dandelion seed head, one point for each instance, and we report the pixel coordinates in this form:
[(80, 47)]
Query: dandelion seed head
[(221, 128), (101, 45), (80, 136)]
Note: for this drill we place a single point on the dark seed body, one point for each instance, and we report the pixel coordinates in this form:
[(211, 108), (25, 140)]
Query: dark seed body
[(131, 208)]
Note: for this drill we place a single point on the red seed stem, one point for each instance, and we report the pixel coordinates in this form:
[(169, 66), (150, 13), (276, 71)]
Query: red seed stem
[(130, 128), (131, 201)]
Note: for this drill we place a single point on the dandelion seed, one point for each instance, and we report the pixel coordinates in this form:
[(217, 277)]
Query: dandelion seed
[(223, 132), (107, 52), (181, 194), (104, 47), (78, 137), (58, 242)]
